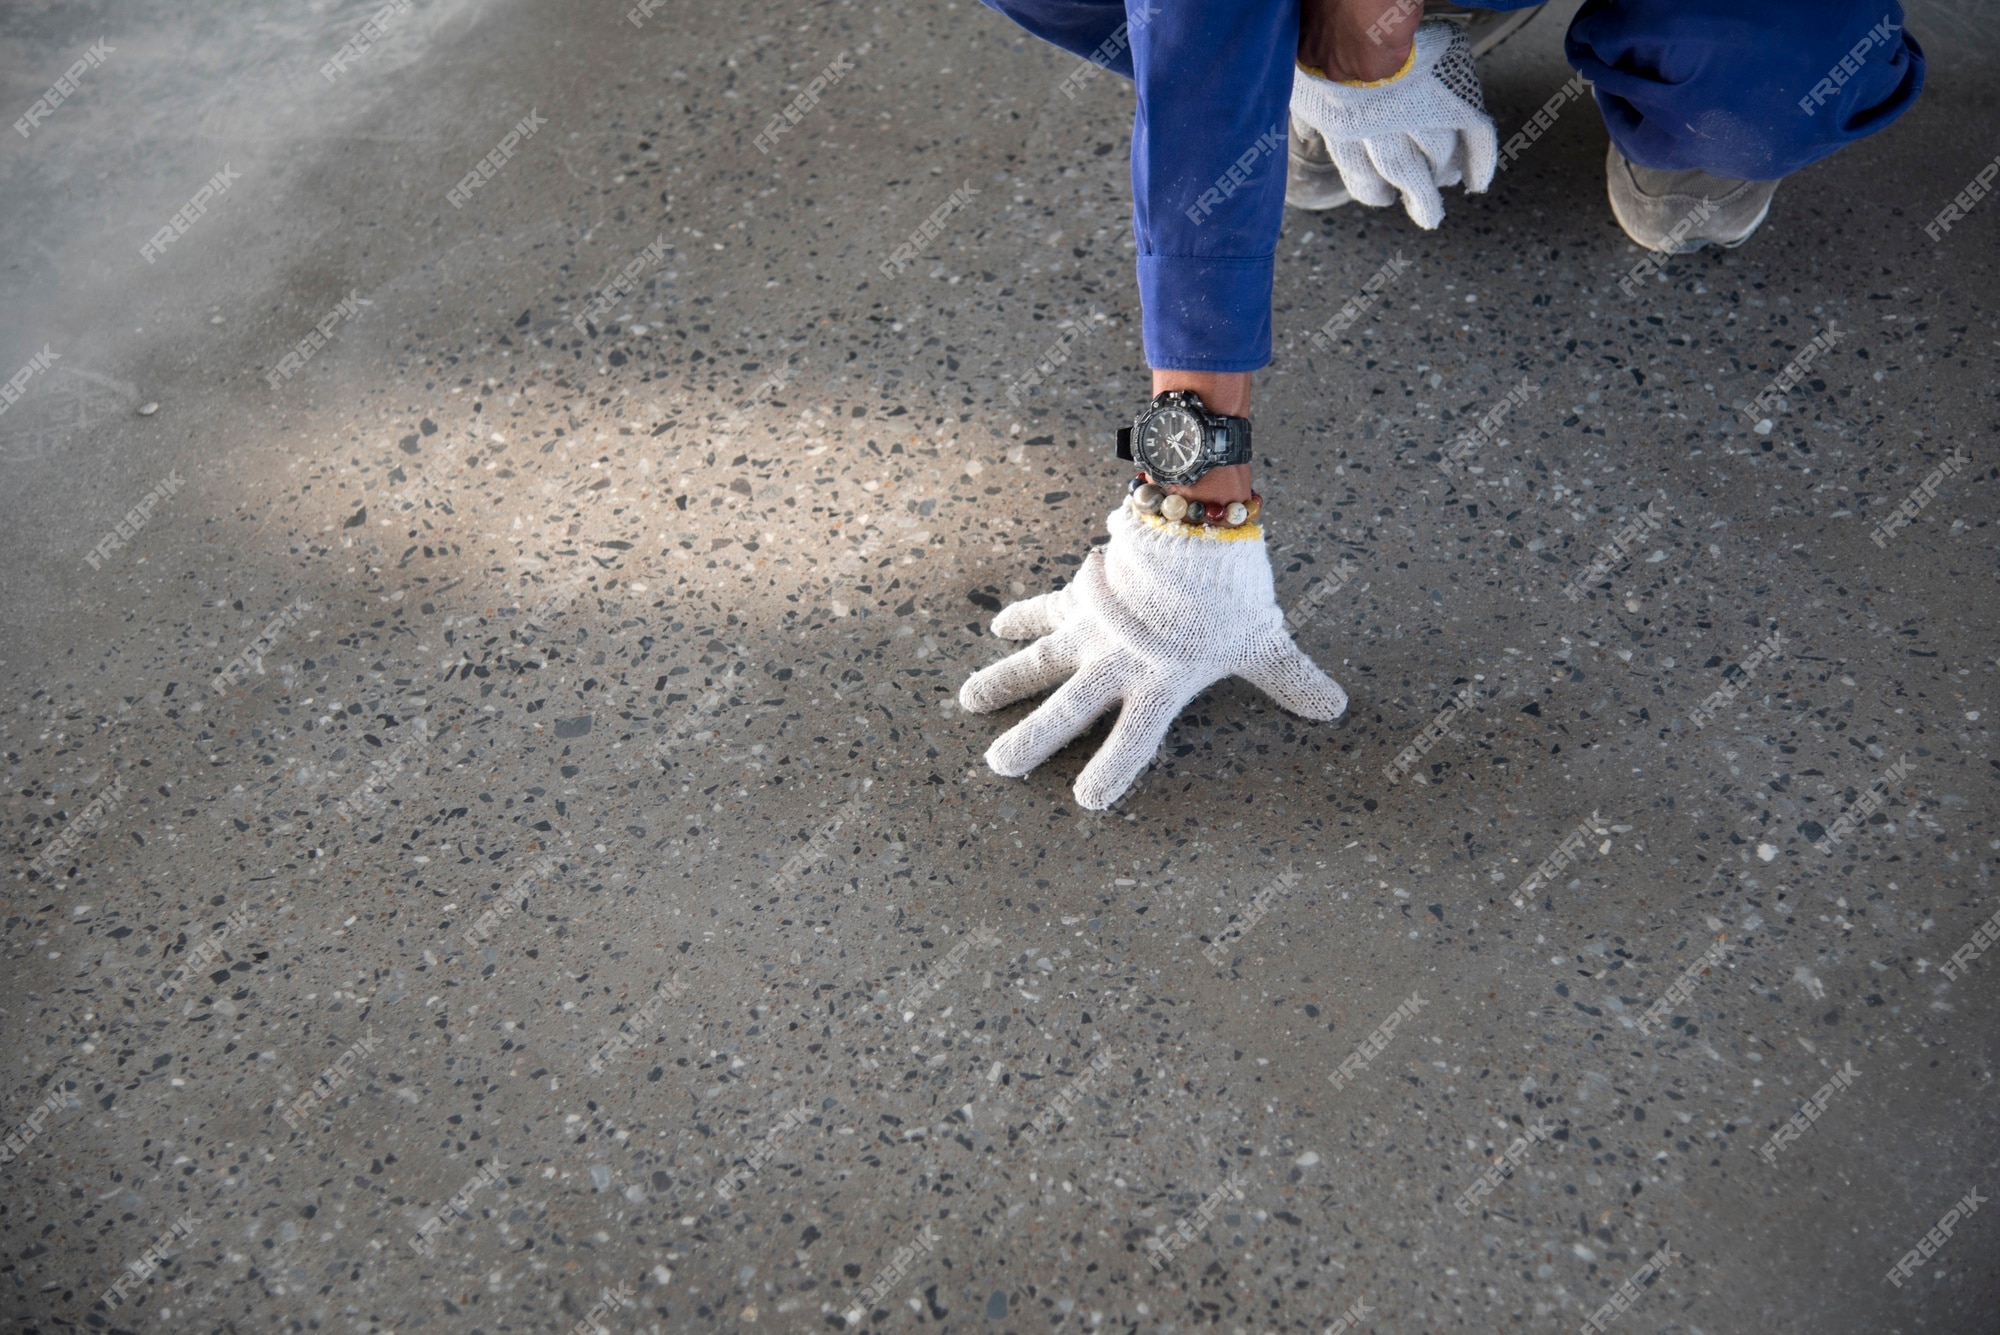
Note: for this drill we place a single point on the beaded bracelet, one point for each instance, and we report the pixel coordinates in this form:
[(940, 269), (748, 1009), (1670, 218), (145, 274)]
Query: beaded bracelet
[(1149, 499)]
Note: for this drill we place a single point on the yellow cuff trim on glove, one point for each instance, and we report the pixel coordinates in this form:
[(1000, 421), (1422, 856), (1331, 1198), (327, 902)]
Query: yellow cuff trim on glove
[(1409, 62)]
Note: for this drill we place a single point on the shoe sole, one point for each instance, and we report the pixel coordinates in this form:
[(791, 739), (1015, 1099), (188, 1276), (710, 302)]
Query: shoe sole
[(1689, 245), (1315, 196), (1755, 223)]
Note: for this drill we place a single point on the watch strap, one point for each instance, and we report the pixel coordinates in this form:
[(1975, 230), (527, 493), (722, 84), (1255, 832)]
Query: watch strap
[(1125, 443), (1233, 436)]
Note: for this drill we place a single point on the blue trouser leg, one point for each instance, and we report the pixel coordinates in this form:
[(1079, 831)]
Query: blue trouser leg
[(1214, 84), (1753, 91)]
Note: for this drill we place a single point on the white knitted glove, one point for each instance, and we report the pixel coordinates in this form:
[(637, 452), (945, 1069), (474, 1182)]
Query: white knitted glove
[(1426, 128), (1154, 619)]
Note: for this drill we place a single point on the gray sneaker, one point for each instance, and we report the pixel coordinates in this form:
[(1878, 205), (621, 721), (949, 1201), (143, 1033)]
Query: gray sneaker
[(1675, 213), (1312, 182)]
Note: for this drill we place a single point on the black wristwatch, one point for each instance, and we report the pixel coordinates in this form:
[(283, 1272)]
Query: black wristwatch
[(1177, 439)]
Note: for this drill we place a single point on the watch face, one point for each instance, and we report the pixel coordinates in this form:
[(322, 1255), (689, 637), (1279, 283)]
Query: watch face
[(1172, 442)]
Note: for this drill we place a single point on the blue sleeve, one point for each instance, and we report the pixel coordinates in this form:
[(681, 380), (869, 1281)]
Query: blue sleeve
[(1214, 84)]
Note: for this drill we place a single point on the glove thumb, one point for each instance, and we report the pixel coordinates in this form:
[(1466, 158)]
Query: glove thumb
[(1281, 670)]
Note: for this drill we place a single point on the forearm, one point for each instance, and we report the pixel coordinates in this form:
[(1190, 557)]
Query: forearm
[(1348, 39), (1357, 41)]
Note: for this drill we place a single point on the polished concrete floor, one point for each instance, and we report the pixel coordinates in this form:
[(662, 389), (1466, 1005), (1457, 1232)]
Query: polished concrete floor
[(496, 847)]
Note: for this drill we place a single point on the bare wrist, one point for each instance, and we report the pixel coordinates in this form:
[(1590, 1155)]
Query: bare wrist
[(1224, 392)]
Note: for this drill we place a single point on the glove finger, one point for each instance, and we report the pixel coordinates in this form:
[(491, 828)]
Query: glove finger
[(1399, 162), (1440, 144), (1134, 741), (1482, 154), (1358, 174), (1031, 618), (1019, 675), (1284, 672), (1061, 718)]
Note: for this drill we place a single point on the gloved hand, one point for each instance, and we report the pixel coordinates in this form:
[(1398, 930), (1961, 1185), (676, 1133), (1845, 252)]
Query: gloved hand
[(1425, 128), (1154, 619)]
